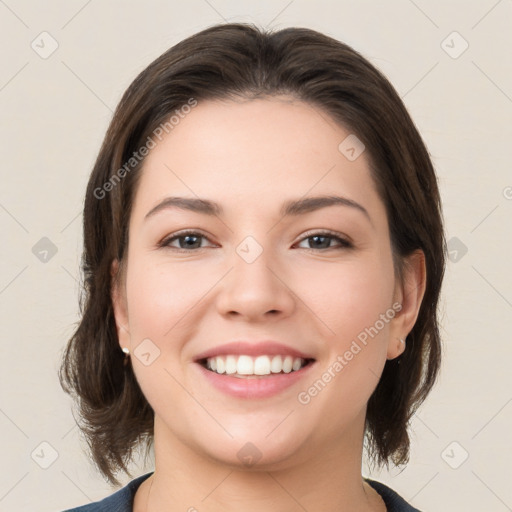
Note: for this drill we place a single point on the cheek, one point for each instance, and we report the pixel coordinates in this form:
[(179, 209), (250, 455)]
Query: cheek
[(341, 298), (160, 296), (349, 296), (350, 302), (161, 299)]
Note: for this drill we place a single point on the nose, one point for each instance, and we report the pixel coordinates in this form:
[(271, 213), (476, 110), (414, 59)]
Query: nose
[(256, 290)]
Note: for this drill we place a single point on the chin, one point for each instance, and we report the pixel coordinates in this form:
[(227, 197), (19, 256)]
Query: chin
[(255, 450)]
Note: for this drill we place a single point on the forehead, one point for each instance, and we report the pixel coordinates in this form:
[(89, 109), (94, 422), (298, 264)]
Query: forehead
[(254, 154)]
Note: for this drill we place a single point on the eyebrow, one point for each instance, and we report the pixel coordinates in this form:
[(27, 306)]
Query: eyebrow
[(289, 208)]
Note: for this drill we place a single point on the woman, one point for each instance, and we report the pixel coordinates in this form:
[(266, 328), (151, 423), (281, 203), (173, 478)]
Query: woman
[(263, 258)]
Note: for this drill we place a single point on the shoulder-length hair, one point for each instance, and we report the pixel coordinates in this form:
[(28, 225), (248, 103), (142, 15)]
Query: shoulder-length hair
[(231, 61)]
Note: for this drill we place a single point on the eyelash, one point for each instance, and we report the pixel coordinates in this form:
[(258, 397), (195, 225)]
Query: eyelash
[(344, 244)]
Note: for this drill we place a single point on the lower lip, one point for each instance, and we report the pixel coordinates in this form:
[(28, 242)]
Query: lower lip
[(254, 387)]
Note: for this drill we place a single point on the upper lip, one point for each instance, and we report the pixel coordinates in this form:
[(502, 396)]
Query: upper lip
[(256, 348)]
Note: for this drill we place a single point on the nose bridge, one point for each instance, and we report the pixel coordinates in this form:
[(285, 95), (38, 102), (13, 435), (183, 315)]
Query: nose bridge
[(254, 286)]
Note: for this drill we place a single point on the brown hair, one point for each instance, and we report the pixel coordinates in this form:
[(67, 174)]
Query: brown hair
[(238, 60)]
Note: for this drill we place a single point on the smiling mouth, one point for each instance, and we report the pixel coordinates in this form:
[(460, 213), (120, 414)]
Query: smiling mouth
[(247, 367)]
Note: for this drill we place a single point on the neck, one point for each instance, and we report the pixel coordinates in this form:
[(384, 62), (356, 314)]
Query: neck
[(320, 479)]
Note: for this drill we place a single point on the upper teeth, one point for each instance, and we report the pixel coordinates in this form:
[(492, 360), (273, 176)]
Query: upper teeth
[(247, 365)]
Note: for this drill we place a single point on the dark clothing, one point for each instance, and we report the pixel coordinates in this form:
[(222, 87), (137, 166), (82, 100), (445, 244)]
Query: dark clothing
[(122, 500)]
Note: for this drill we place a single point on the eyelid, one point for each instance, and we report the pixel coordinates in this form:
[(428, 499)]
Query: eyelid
[(345, 241), (325, 232), (178, 234)]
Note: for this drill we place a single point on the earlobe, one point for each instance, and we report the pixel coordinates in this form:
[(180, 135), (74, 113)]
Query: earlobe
[(119, 305), (411, 291)]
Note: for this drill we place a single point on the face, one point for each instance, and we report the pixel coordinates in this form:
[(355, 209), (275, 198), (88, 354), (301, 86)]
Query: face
[(314, 285)]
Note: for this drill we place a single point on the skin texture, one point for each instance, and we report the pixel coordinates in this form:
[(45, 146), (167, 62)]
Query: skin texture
[(251, 156)]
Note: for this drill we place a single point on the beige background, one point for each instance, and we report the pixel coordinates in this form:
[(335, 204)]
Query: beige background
[(54, 112)]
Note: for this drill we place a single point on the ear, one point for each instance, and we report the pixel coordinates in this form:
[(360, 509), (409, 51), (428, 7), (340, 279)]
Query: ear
[(409, 293), (118, 297)]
